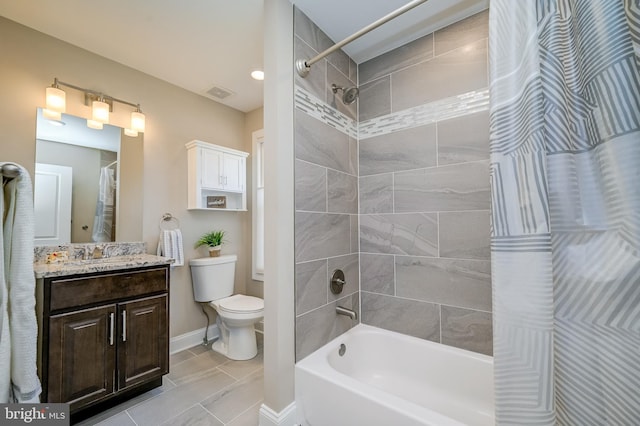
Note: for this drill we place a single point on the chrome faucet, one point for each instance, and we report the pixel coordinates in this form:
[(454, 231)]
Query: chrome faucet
[(348, 312)]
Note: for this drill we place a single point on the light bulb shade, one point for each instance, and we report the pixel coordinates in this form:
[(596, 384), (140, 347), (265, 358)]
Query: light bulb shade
[(100, 112), (131, 132), (52, 115), (93, 124), (56, 99), (137, 121)]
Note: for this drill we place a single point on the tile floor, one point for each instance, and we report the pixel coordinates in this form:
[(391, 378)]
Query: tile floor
[(203, 388)]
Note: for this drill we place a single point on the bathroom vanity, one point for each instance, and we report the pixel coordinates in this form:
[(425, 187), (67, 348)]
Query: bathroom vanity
[(104, 330)]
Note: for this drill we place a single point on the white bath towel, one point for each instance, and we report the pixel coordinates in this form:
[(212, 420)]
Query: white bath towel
[(170, 245), (18, 325)]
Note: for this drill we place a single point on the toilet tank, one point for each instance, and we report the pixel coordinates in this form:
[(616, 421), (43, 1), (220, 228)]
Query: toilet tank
[(213, 277)]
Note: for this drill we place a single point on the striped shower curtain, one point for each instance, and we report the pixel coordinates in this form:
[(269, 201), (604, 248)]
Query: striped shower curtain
[(565, 231)]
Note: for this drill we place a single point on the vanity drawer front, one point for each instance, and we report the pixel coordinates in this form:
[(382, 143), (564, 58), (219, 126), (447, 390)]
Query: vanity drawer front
[(74, 292)]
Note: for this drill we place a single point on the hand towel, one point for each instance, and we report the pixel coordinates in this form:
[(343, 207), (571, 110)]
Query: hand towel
[(170, 245), (18, 325)]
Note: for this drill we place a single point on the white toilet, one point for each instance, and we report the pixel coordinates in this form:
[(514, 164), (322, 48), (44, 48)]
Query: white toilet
[(213, 279)]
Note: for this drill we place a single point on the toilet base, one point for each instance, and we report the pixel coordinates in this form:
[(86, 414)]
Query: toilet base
[(240, 345)]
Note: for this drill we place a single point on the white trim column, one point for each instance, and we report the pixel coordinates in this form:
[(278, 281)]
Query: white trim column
[(279, 318)]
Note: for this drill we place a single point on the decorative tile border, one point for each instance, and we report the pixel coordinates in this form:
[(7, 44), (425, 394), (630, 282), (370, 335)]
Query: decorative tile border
[(443, 109), (320, 110)]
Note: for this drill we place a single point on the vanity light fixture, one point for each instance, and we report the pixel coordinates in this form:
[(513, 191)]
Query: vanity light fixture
[(101, 106)]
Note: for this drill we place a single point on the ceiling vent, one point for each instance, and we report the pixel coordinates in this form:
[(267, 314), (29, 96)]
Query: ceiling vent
[(219, 92)]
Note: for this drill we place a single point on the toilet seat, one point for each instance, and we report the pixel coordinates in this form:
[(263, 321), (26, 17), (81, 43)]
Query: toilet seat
[(240, 304)]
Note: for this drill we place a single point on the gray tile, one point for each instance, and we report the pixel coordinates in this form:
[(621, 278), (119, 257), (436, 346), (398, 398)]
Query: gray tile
[(457, 187), (467, 329), (376, 193), (353, 156), (464, 139), (311, 285), (199, 349), (241, 369), (342, 192), (234, 400), (353, 70), (180, 356), (194, 416), (186, 372), (418, 319), (354, 233), (351, 267), (315, 81), (154, 411), (403, 150), (465, 235), (377, 273), (115, 411), (459, 71), (463, 283), (406, 55), (335, 99), (413, 234), (311, 187), (121, 419), (321, 235), (251, 417), (319, 326), (340, 61), (319, 143), (306, 29), (375, 99), (463, 32)]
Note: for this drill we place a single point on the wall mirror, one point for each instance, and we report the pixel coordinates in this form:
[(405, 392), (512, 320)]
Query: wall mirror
[(87, 183)]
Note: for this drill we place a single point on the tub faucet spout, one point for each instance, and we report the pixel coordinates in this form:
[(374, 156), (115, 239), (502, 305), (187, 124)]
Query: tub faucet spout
[(348, 312)]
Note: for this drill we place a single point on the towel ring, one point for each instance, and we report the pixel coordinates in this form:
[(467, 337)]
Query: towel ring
[(169, 222)]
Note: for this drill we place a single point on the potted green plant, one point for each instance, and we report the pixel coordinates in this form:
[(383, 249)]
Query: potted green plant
[(213, 240)]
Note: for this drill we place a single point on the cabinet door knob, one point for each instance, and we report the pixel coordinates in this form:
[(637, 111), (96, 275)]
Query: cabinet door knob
[(111, 324), (124, 326)]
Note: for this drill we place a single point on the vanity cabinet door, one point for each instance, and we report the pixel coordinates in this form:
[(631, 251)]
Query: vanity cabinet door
[(234, 172), (212, 176), (82, 356), (143, 351)]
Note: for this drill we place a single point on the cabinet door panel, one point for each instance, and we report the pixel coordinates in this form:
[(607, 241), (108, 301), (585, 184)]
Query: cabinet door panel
[(211, 169), (143, 347), (81, 356), (233, 169)]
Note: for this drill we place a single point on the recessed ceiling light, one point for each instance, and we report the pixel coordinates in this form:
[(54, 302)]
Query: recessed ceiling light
[(257, 75)]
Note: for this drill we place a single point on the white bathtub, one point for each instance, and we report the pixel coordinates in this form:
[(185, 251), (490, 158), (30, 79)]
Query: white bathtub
[(389, 379)]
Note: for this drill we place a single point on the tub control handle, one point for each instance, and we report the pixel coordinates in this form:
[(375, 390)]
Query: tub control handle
[(337, 281)]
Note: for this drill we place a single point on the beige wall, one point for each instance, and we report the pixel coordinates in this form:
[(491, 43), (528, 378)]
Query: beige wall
[(30, 61)]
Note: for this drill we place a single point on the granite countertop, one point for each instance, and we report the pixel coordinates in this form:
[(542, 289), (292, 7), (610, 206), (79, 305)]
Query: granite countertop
[(72, 267)]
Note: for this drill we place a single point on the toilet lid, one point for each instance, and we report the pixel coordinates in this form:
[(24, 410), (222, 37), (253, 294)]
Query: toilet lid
[(241, 303)]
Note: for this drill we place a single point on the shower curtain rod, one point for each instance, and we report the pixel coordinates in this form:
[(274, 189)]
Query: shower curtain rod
[(304, 66)]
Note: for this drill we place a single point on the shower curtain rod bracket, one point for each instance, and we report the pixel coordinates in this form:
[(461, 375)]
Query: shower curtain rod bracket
[(302, 68)]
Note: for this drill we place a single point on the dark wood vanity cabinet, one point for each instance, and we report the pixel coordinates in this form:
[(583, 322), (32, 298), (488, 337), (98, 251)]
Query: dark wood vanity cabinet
[(105, 336)]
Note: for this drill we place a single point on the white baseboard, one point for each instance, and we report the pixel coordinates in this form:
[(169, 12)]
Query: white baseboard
[(286, 417), (192, 338)]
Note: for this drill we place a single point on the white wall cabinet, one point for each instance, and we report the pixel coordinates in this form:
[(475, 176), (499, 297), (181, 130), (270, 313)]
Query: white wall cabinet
[(215, 172)]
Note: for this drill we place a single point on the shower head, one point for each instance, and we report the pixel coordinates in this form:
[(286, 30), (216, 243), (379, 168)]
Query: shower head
[(349, 94)]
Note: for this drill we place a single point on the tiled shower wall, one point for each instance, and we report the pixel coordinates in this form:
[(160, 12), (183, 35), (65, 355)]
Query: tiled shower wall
[(326, 191), (424, 188)]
